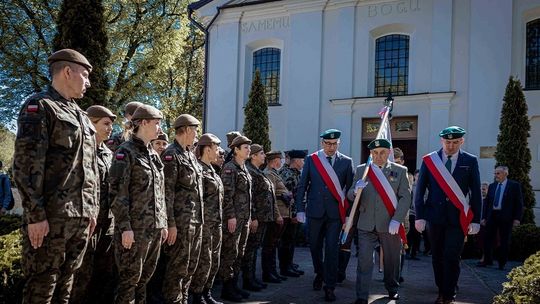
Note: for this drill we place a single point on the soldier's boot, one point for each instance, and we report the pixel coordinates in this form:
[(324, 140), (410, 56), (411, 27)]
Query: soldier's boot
[(254, 277), (242, 292), (197, 298), (207, 296), (228, 292), (248, 283)]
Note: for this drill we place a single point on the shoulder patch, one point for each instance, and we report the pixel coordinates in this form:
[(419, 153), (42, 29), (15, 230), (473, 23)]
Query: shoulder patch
[(120, 156), (32, 108), (228, 171), (110, 141), (168, 157)]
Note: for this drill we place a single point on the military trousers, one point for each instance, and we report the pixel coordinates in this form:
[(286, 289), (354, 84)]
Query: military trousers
[(95, 279), (287, 243), (50, 268), (136, 265), (254, 241), (269, 246), (182, 259), (232, 249), (208, 265)]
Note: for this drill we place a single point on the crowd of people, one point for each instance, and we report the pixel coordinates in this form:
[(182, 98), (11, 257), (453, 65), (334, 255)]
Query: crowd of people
[(138, 217)]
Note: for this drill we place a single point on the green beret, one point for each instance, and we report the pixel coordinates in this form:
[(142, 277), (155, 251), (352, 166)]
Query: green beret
[(273, 154), (146, 112), (331, 134), (130, 107), (297, 154), (452, 132), (231, 136), (100, 112), (379, 143), (240, 140), (208, 139), (255, 148), (70, 56), (185, 120)]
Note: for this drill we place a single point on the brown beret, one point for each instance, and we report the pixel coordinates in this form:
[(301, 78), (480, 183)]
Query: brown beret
[(71, 56), (130, 107), (162, 136), (231, 136), (146, 112), (273, 154), (185, 120), (240, 140), (207, 139), (255, 148), (99, 112)]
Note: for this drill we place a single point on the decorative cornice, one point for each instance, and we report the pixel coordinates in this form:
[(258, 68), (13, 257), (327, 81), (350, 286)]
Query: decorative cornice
[(442, 96)]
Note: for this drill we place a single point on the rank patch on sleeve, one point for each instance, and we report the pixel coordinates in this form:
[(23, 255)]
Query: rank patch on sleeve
[(168, 157), (32, 108), (120, 156)]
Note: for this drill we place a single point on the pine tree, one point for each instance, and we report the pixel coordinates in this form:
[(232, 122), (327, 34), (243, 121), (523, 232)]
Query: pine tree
[(81, 26), (512, 147), (256, 113)]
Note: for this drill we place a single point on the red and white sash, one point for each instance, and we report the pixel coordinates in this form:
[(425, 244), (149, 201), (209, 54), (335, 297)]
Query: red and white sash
[(331, 181), (387, 194), (448, 184)]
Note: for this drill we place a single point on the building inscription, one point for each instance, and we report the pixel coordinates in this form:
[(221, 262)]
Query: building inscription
[(266, 24), (398, 7)]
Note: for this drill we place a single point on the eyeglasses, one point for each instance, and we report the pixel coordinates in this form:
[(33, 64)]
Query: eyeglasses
[(331, 144)]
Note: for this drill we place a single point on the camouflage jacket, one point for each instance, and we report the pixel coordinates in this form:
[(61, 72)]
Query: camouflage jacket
[(283, 195), (183, 186), (263, 204), (104, 160), (114, 142), (136, 188), (213, 194), (55, 165), (237, 191), (291, 178)]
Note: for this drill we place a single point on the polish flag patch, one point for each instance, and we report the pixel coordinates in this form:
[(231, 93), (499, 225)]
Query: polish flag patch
[(168, 157), (32, 108), (120, 156), (110, 142)]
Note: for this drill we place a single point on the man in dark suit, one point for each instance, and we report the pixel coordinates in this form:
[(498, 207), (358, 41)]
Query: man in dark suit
[(448, 219), (324, 170), (503, 208)]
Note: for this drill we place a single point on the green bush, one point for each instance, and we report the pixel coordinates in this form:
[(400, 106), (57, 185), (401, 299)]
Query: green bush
[(9, 223), (11, 276), (523, 286), (525, 241)]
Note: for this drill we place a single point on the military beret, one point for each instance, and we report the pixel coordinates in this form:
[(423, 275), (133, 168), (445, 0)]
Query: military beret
[(162, 136), (146, 112), (130, 107), (331, 134), (71, 56), (297, 154), (452, 132), (231, 136), (273, 154), (207, 139), (185, 120), (379, 143), (255, 148), (240, 140), (99, 112)]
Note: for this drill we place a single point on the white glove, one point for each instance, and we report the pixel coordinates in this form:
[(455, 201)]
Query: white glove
[(474, 228), (393, 227), (301, 217), (360, 184), (420, 225)]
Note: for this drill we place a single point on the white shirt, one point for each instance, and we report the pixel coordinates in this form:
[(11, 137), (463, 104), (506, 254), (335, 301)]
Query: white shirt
[(503, 186), (333, 158), (453, 158)]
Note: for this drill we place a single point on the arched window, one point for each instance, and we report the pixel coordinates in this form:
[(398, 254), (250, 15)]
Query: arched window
[(532, 77), (391, 64), (267, 61)]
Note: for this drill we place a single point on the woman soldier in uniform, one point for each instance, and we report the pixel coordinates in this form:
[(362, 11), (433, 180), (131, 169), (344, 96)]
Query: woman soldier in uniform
[(138, 206)]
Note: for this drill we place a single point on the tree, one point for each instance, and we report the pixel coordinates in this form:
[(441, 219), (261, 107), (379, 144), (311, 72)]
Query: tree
[(256, 112), (512, 147), (7, 148), (81, 26)]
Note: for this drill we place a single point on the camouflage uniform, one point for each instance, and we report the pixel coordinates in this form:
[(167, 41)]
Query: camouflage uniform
[(138, 205), (212, 231), (290, 177), (115, 141), (55, 169), (184, 197), (97, 273), (236, 204)]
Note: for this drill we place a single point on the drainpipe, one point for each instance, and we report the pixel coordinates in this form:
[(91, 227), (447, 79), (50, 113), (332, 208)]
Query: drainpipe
[(206, 32)]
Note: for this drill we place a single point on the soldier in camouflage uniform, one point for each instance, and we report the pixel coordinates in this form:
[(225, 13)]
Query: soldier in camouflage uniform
[(230, 137), (96, 273), (236, 217), (203, 279), (184, 196), (160, 144), (55, 169), (290, 174), (138, 206), (117, 139)]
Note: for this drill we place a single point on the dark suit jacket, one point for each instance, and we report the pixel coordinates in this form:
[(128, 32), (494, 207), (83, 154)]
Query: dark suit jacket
[(437, 208), (319, 199), (512, 202)]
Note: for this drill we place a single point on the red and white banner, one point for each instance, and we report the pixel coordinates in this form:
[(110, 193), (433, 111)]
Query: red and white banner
[(387, 194), (331, 180), (448, 184)]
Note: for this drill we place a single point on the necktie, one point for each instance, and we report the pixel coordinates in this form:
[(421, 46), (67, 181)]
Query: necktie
[(497, 196), (448, 163), (329, 159)]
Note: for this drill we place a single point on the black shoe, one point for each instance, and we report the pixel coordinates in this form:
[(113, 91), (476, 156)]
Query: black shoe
[(329, 295), (439, 300), (393, 295), (270, 278), (228, 292), (341, 277), (361, 301), (244, 294), (297, 269), (289, 273), (250, 285), (197, 298), (261, 284), (317, 283), (401, 280), (207, 296), (283, 278)]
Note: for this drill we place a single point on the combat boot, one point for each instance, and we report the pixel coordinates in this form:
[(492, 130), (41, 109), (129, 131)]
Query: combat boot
[(197, 298), (228, 292), (238, 290), (249, 283), (207, 296)]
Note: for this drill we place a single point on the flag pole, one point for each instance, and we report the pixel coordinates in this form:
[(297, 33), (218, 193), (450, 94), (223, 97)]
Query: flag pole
[(350, 224)]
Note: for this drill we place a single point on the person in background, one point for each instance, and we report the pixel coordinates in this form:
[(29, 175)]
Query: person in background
[(160, 144), (5, 191)]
